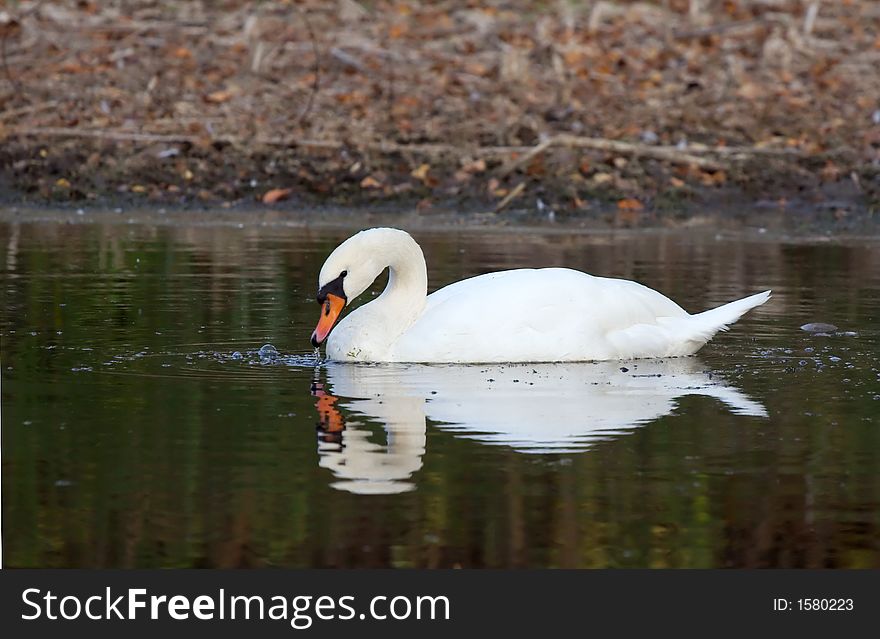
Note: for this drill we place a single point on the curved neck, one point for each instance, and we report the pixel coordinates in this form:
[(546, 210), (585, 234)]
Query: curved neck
[(407, 288), (368, 333)]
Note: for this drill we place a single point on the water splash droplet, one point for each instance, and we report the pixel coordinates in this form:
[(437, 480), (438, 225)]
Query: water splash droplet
[(268, 352)]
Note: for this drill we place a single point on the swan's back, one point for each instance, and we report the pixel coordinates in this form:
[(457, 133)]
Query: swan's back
[(552, 314)]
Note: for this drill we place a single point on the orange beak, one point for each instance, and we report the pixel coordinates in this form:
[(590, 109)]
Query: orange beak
[(330, 311)]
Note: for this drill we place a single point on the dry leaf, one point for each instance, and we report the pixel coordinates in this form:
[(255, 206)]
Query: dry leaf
[(71, 67), (477, 69), (630, 204), (9, 26), (713, 179), (219, 97), (477, 166), (276, 195), (370, 182), (421, 173), (750, 91), (584, 166)]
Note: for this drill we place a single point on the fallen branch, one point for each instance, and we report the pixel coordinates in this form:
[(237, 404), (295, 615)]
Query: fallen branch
[(514, 192), (525, 158), (692, 156), (139, 26), (665, 153), (380, 147), (745, 151), (115, 136)]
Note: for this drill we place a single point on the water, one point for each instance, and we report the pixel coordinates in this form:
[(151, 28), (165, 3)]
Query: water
[(162, 406)]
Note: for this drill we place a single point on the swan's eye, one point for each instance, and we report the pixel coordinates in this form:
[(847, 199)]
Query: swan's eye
[(327, 308), (343, 274)]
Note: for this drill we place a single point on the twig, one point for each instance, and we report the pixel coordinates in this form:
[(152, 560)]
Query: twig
[(666, 153), (138, 26), (4, 42), (349, 60), (434, 150), (10, 26), (810, 18), (389, 91), (743, 151), (514, 192), (523, 160), (27, 110), (716, 29), (115, 136), (316, 69), (3, 54), (134, 136)]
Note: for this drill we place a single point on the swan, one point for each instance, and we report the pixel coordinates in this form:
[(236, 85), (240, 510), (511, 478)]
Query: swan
[(521, 315)]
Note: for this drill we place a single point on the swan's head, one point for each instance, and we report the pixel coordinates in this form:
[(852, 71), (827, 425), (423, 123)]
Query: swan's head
[(349, 271)]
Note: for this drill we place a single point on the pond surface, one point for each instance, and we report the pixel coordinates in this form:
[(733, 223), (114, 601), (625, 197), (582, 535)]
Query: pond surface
[(144, 427)]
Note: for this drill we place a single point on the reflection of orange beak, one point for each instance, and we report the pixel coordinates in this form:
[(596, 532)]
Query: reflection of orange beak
[(330, 311), (331, 422), (331, 418)]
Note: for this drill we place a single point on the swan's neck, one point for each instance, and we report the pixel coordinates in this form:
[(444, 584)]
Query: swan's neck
[(403, 300), (369, 332)]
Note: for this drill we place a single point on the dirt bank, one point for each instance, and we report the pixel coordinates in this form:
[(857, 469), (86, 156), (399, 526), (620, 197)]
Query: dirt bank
[(640, 111)]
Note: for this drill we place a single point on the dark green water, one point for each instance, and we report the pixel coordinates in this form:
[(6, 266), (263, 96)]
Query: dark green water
[(142, 428)]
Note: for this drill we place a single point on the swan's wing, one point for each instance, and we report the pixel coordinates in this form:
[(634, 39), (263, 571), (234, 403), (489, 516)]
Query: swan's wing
[(529, 313), (547, 284)]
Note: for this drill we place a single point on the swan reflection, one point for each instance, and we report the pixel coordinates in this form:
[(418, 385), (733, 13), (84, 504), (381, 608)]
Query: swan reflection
[(532, 408)]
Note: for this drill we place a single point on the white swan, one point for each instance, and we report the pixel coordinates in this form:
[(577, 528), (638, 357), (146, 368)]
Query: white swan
[(523, 315)]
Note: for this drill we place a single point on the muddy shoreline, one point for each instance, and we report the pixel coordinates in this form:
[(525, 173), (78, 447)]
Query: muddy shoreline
[(129, 176)]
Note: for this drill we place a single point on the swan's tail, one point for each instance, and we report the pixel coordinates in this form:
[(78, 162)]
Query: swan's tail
[(704, 325), (683, 334)]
